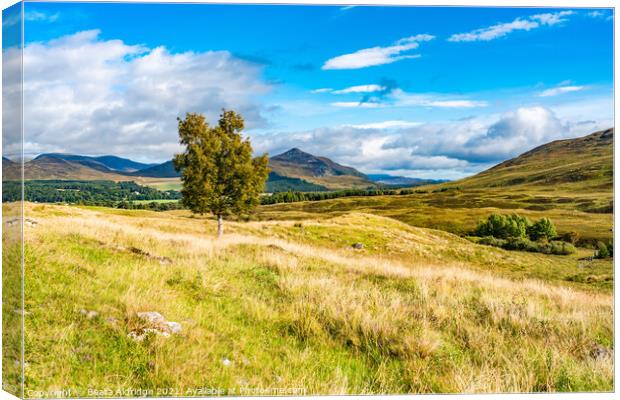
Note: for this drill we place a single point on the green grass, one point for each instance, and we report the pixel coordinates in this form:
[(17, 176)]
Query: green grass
[(292, 305), (455, 211)]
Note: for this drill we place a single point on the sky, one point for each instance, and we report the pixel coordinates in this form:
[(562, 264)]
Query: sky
[(429, 92)]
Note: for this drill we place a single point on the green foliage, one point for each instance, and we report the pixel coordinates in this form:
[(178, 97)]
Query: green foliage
[(503, 226), (525, 244), (218, 171), (542, 229), (105, 193), (602, 250), (293, 196)]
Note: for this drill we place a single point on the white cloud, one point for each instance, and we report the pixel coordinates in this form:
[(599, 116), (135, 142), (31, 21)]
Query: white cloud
[(386, 125), (378, 55), (87, 95), (403, 99), (457, 103), (443, 149), (361, 89), (321, 90), (352, 104), (503, 29), (560, 90)]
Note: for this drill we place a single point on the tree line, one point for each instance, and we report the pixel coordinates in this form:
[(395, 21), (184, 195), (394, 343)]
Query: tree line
[(107, 193)]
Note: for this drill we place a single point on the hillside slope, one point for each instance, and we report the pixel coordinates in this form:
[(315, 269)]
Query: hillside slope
[(294, 305), (101, 163), (319, 170), (581, 164), (44, 167)]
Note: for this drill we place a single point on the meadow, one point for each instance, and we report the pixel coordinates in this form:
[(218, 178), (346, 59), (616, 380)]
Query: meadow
[(291, 304)]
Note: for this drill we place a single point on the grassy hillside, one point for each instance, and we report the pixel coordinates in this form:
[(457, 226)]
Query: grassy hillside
[(292, 305), (570, 181), (578, 165), (57, 168)]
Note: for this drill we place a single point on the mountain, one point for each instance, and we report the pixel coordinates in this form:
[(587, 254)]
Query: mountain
[(279, 183), (583, 164), (50, 167), (101, 163), (402, 181), (163, 170), (322, 171)]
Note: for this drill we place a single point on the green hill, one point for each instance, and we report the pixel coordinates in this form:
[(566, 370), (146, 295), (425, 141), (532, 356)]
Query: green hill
[(581, 164)]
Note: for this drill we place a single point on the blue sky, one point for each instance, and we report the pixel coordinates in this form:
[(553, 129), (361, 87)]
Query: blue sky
[(429, 92)]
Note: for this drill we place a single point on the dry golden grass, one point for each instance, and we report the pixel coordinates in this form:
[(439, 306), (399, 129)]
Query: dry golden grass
[(294, 309)]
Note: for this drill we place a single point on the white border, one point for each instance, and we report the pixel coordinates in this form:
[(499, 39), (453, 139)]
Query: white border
[(471, 3)]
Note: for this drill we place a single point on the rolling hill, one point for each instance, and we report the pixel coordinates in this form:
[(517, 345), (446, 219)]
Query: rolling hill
[(102, 163), (49, 167), (583, 164)]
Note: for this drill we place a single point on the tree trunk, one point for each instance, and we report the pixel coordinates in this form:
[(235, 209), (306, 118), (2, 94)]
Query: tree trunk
[(220, 226)]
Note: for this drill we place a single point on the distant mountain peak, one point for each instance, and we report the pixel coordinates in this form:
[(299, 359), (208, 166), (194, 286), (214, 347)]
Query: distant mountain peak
[(295, 154)]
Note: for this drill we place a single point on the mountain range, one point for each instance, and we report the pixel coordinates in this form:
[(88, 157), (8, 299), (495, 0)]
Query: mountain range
[(291, 170), (579, 165)]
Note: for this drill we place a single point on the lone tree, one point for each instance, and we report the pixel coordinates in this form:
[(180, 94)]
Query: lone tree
[(218, 171)]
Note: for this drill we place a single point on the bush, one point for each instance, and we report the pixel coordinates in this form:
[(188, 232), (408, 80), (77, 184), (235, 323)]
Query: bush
[(570, 237), (492, 241), (561, 248), (503, 226), (542, 229), (525, 244), (601, 250)]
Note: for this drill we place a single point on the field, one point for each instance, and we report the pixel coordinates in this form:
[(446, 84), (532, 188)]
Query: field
[(290, 304), (459, 210)]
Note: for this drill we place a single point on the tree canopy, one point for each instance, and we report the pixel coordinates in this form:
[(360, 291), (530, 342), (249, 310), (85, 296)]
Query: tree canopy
[(219, 173)]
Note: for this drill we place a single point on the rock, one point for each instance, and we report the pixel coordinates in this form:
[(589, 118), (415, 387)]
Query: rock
[(152, 317), (358, 246), (175, 327), (156, 324), (89, 314), (599, 351)]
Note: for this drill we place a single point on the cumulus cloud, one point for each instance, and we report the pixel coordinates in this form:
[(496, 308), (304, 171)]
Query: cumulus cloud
[(519, 24), (560, 90), (87, 95), (378, 55), (445, 149)]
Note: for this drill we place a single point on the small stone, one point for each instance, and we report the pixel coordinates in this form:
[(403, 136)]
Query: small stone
[(599, 351), (358, 246), (226, 362), (152, 316), (89, 314), (175, 327)]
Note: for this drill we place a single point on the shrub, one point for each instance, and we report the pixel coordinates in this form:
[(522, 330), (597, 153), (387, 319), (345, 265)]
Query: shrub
[(542, 229), (561, 248), (503, 226), (492, 241), (570, 237), (525, 244), (601, 250), (521, 243)]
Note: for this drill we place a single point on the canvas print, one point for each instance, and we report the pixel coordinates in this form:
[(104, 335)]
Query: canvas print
[(250, 200)]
